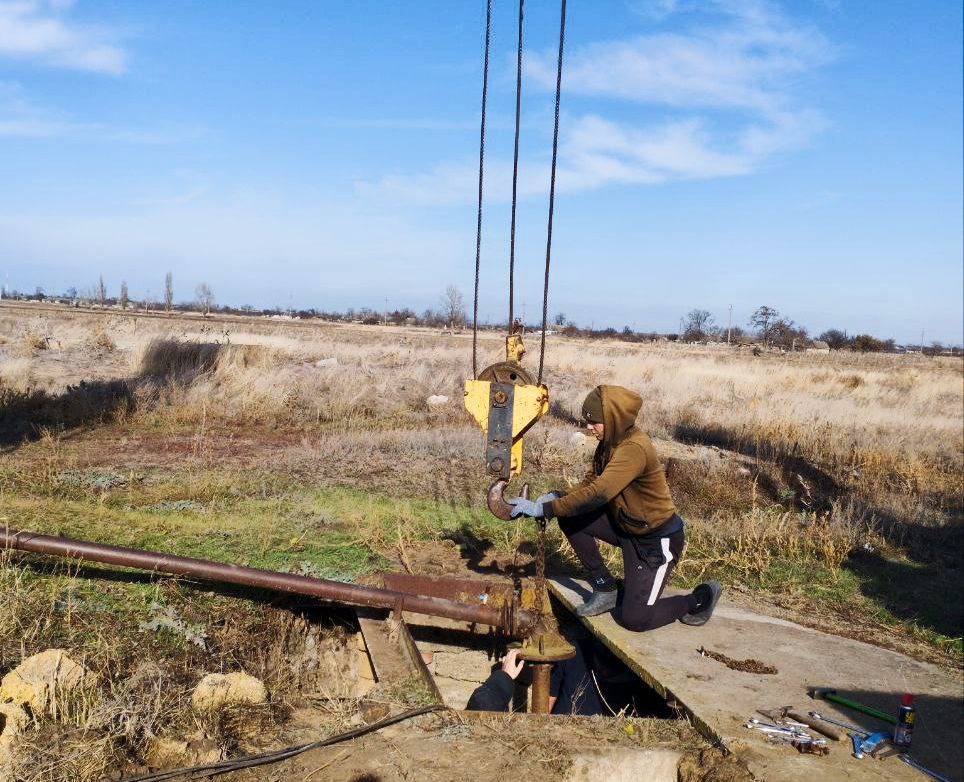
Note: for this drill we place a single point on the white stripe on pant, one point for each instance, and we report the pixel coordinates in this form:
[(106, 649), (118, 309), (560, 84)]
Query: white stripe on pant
[(661, 572)]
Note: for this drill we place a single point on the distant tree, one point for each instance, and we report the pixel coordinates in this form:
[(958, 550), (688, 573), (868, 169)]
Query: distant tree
[(168, 292), (934, 349), (39, 294), (697, 325), (453, 308), (560, 319), (865, 343), (787, 336), (762, 320), (835, 339), (123, 295), (204, 295), (737, 334), (71, 293), (101, 291)]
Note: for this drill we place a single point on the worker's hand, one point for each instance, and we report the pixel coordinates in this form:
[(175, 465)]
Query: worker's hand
[(524, 507), (511, 663), (548, 497)]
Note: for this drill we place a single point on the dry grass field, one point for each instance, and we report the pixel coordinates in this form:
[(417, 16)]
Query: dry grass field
[(825, 488)]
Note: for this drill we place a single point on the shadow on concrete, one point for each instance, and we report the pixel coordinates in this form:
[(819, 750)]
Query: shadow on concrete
[(937, 733)]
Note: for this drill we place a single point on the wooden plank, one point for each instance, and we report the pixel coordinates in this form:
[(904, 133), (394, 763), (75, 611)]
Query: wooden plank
[(392, 651)]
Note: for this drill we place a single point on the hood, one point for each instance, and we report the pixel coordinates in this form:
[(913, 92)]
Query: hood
[(620, 408)]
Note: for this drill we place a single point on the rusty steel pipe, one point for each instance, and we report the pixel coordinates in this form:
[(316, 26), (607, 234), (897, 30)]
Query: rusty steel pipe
[(509, 618), (541, 676)]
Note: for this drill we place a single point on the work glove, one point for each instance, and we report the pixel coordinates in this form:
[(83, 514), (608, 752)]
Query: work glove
[(533, 508)]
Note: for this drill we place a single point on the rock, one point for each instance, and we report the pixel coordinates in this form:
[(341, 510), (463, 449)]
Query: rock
[(436, 399), (167, 753), (217, 689), (327, 362), (13, 721), (618, 764), (40, 680)]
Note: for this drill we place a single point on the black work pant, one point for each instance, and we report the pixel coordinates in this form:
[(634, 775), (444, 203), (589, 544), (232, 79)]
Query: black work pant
[(647, 564)]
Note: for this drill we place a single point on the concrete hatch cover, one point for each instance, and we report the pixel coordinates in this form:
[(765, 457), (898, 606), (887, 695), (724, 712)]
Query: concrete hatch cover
[(720, 699)]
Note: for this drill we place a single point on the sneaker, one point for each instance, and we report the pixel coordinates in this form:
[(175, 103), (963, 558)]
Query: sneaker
[(598, 603), (702, 617)]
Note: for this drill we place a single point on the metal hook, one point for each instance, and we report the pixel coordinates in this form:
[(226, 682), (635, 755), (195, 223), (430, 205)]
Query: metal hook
[(495, 499)]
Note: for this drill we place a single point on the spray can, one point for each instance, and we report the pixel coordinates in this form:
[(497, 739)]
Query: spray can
[(905, 722)]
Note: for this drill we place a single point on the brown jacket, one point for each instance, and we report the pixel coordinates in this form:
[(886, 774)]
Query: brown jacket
[(626, 477)]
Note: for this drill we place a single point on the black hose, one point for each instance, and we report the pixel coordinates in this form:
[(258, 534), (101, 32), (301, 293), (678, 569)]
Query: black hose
[(276, 756)]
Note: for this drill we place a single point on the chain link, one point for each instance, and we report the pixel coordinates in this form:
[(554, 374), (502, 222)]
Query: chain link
[(540, 565)]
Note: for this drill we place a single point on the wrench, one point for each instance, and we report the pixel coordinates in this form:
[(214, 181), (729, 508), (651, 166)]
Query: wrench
[(760, 725), (846, 725), (923, 769)]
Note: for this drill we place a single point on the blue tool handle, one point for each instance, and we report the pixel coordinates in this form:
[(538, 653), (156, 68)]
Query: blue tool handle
[(857, 741)]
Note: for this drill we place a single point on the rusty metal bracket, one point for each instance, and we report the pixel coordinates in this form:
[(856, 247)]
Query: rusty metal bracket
[(498, 443)]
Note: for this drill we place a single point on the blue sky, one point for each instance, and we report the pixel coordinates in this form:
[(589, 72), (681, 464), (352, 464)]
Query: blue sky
[(806, 155)]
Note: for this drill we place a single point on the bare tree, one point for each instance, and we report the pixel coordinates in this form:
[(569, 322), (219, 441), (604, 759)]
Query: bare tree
[(698, 325), (835, 339), (205, 297), (763, 319), (168, 291), (453, 308), (560, 319), (101, 291), (123, 295)]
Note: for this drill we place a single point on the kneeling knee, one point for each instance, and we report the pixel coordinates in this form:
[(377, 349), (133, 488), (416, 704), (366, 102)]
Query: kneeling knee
[(637, 621)]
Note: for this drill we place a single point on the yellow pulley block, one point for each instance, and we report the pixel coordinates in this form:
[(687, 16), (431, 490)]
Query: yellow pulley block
[(505, 403)]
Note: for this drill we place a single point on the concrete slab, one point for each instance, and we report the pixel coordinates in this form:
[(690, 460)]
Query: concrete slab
[(720, 700)]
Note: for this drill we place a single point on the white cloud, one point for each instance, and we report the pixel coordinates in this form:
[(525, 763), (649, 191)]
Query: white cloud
[(39, 30), (742, 64), (725, 82), (23, 117)]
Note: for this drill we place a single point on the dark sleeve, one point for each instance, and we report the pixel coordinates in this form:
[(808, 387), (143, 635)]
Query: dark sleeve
[(494, 694), (555, 680)]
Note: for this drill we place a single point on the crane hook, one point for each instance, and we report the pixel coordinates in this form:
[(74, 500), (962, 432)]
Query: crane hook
[(496, 500)]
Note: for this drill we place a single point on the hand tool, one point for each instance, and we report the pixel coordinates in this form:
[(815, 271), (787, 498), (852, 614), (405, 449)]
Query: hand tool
[(844, 725), (870, 744), (857, 742), (788, 711), (816, 724), (923, 769), (829, 694)]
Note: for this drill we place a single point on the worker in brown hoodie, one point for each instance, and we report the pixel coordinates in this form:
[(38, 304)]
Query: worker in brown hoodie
[(625, 501)]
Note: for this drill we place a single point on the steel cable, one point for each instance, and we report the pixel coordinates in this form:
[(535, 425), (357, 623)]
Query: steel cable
[(515, 169), (478, 228), (252, 761), (552, 191)]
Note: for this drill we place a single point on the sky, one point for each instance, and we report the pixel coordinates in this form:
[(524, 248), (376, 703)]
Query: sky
[(805, 155)]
